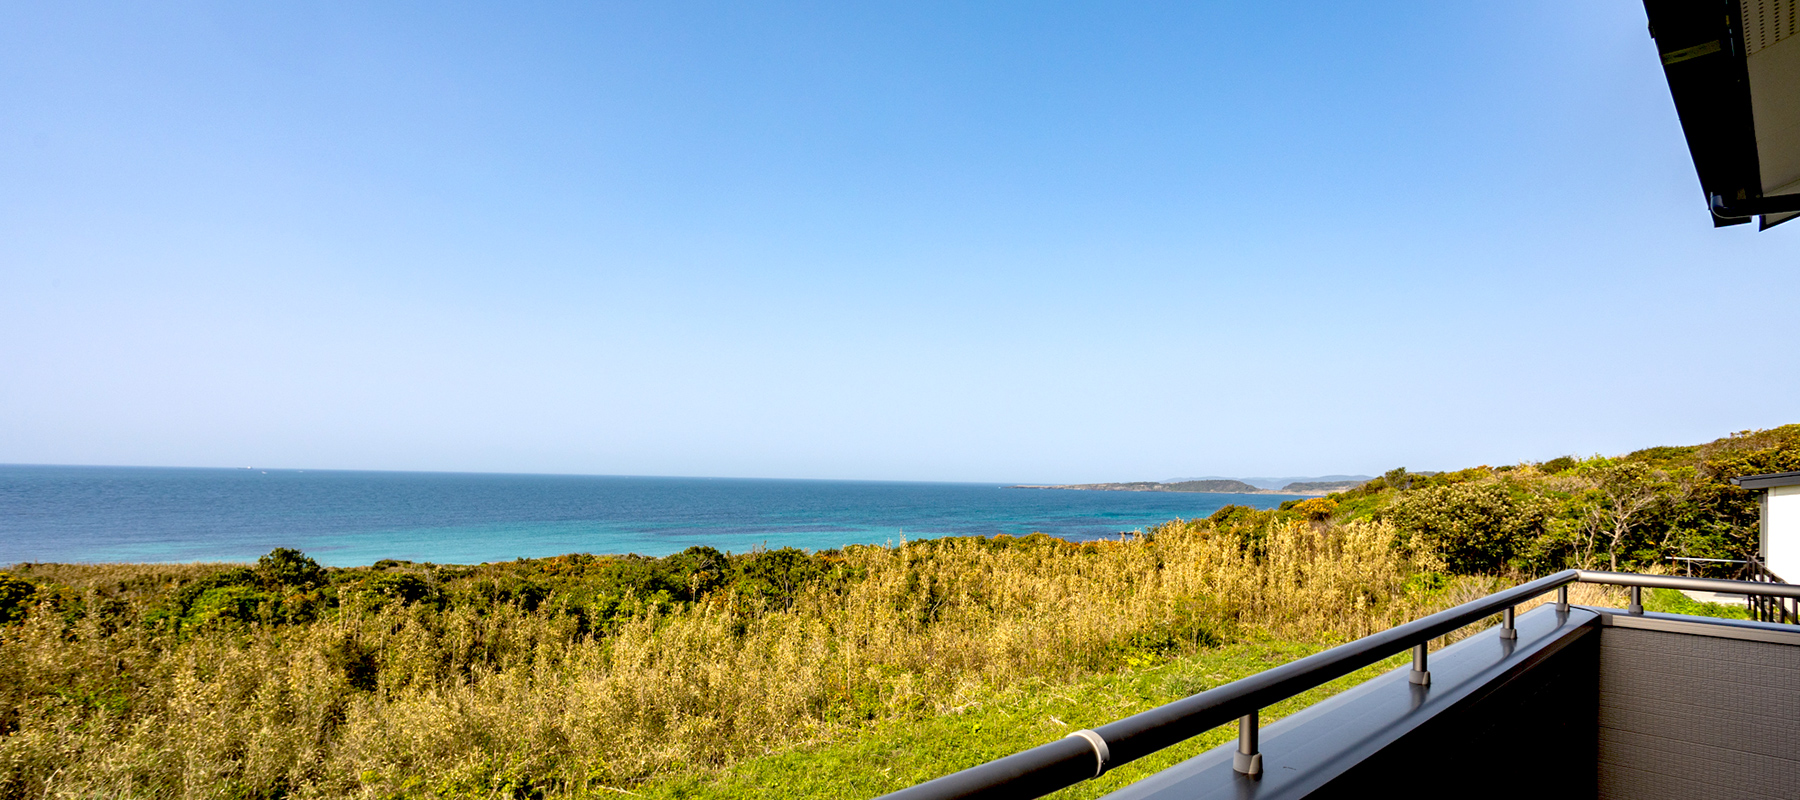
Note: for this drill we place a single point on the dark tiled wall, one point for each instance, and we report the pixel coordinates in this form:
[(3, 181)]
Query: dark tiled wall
[(1686, 717)]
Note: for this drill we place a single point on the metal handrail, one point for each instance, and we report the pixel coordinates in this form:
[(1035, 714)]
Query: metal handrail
[(1719, 585), (1089, 753), (1775, 608), (1687, 563), (1772, 607)]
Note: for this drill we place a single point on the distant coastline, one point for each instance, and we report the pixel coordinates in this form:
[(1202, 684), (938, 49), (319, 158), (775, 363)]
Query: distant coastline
[(1219, 486), (346, 519)]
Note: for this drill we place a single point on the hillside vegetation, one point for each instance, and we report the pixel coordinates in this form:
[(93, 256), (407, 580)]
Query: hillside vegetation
[(1630, 512), (708, 674)]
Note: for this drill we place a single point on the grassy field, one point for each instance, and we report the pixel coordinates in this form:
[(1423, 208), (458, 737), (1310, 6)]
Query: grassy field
[(895, 755), (697, 673), (773, 674)]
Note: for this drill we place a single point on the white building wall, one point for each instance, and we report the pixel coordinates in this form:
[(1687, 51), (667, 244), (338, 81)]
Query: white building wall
[(1781, 532)]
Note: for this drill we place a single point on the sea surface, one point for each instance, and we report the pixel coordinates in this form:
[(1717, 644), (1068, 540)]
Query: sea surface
[(96, 514)]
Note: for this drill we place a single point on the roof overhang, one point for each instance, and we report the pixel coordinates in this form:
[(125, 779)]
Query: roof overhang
[(1768, 481), (1733, 68)]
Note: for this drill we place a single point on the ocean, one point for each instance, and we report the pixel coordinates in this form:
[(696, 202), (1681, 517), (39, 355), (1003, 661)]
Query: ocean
[(343, 518)]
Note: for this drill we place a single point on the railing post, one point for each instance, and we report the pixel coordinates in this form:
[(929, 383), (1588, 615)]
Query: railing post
[(1637, 600), (1247, 759), (1562, 598), (1420, 675), (1507, 631)]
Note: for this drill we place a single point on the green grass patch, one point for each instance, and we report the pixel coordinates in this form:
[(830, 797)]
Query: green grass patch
[(1670, 601), (899, 753)]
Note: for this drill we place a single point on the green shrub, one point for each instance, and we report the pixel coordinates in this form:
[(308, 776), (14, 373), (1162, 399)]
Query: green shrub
[(776, 575), (1233, 515), (231, 604), (1558, 464), (382, 588), (284, 567), (693, 572), (1473, 527), (15, 598)]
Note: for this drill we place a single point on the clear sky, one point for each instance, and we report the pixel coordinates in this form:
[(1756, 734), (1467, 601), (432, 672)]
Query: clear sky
[(915, 241)]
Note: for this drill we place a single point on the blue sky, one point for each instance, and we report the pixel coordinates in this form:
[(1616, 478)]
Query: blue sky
[(915, 241)]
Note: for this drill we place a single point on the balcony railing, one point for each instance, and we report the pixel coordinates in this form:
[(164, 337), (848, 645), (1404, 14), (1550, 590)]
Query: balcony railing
[(1088, 754), (1763, 608), (1770, 607)]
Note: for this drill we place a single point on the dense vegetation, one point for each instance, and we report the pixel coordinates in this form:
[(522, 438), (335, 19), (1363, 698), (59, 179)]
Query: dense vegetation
[(1632, 512), (705, 673)]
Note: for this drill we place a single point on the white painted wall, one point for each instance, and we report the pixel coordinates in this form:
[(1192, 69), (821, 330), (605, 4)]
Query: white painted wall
[(1781, 532)]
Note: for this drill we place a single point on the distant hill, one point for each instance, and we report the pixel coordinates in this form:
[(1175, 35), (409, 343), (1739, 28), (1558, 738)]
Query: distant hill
[(1214, 485), (1317, 485), (1305, 487), (1281, 483)]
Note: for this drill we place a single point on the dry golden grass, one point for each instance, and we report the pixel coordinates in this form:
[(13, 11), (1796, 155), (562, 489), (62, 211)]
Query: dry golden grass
[(501, 702)]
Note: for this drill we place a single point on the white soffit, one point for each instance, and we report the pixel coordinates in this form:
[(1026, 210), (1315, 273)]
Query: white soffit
[(1772, 53)]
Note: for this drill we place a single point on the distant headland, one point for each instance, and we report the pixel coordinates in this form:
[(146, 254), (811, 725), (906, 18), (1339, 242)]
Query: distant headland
[(1292, 486)]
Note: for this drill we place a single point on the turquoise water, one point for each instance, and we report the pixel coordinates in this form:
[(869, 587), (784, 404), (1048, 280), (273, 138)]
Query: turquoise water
[(355, 518)]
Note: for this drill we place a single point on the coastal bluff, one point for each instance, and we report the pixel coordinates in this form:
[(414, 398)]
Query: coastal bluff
[(1218, 486)]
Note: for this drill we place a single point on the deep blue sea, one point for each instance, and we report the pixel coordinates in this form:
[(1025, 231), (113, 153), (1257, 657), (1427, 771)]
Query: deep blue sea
[(355, 518)]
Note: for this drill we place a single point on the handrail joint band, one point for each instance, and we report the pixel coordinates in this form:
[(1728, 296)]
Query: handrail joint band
[(1102, 753)]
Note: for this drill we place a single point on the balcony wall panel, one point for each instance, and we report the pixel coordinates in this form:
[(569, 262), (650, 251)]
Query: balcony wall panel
[(1696, 717)]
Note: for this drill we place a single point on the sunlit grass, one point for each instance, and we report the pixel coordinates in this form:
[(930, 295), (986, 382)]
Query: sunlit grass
[(894, 755), (901, 664)]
